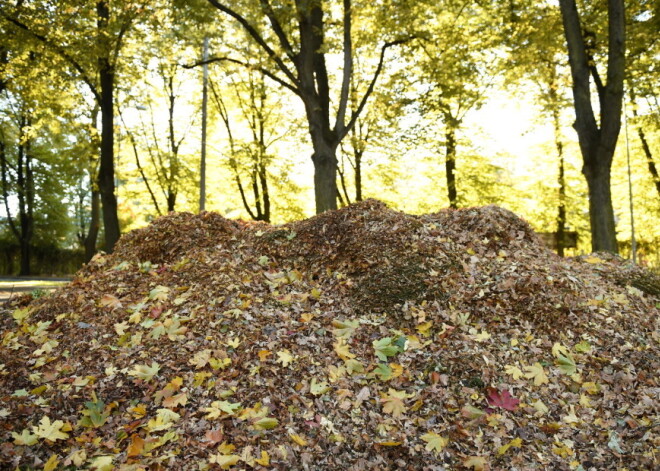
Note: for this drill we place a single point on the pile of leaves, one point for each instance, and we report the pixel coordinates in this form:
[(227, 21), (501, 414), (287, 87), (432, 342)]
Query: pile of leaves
[(359, 339)]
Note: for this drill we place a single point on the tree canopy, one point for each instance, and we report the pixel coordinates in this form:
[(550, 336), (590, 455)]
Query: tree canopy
[(101, 115)]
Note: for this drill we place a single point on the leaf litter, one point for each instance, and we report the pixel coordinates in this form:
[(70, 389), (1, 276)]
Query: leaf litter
[(359, 339)]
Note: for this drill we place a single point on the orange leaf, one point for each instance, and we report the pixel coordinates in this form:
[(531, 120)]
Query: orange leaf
[(214, 436), (264, 354), (136, 446), (177, 400)]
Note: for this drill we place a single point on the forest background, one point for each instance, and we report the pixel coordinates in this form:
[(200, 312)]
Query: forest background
[(113, 112)]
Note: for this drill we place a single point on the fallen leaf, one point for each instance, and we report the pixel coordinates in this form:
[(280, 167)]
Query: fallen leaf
[(502, 399), (135, 446), (435, 442), (515, 443), (50, 431), (393, 402), (284, 357), (566, 364), (537, 373), (108, 300), (384, 348), (144, 372), (52, 463), (477, 463), (298, 439)]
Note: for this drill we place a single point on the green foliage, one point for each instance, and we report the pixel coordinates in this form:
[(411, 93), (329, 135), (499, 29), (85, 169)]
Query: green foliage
[(460, 60)]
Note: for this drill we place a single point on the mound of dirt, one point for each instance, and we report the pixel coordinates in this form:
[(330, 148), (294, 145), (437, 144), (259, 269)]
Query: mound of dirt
[(359, 339)]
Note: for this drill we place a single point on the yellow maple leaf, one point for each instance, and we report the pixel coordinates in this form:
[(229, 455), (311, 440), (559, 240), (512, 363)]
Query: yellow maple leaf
[(25, 438), (541, 408), (159, 293), (563, 450), (224, 461), (176, 400), (480, 337), (121, 327), (264, 460), (424, 328), (50, 431), (336, 372), (393, 402), (537, 373), (559, 349), (226, 448), (591, 388), (145, 372), (515, 443), (342, 349), (264, 354), (388, 443), (20, 315), (513, 371), (139, 411), (305, 317), (164, 419), (478, 463), (218, 408), (434, 442), (284, 357), (397, 370)]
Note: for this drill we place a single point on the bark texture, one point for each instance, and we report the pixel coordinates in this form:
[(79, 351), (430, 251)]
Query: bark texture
[(597, 139)]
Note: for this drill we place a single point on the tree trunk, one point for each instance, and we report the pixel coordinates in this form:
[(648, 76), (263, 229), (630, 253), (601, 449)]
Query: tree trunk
[(94, 225), (601, 212), (325, 176), (597, 139), (25, 188), (107, 165), (450, 165), (561, 209), (171, 200), (649, 159), (25, 258), (263, 179), (358, 176)]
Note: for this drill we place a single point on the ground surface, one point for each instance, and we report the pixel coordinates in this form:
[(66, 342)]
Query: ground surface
[(359, 339), (15, 286)]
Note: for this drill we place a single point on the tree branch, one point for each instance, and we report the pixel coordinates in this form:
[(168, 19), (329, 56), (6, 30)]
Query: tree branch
[(370, 89), (257, 37), (612, 101), (139, 166), (348, 69), (266, 72), (59, 51), (277, 29)]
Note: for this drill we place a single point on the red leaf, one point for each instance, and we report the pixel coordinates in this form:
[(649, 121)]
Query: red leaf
[(502, 399)]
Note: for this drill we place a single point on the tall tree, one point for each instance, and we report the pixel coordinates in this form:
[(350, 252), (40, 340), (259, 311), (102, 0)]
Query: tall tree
[(597, 138), (296, 43), (162, 139), (643, 76), (456, 61), (65, 32)]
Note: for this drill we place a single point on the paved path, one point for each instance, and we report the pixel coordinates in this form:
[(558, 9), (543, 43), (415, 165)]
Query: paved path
[(15, 286)]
